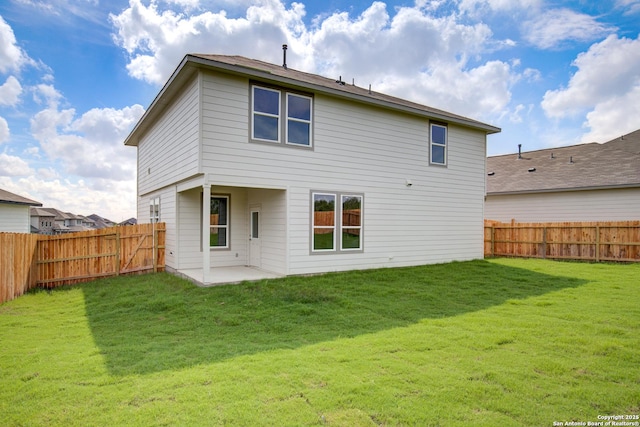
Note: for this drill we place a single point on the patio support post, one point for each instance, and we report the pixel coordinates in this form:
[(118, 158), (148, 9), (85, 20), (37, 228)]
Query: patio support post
[(206, 218)]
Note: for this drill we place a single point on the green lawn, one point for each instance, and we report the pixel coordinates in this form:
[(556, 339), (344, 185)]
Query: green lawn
[(483, 343)]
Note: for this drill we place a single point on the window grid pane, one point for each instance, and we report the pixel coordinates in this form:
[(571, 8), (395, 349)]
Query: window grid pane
[(219, 222), (266, 114), (324, 221), (298, 120), (351, 222), (438, 144)]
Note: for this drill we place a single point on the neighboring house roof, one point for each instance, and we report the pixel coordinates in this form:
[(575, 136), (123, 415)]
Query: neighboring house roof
[(278, 74), (615, 164), (41, 212), (14, 199), (101, 222), (130, 221)]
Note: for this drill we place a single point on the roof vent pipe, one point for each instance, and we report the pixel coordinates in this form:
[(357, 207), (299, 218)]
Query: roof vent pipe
[(571, 160), (284, 56), (519, 151)]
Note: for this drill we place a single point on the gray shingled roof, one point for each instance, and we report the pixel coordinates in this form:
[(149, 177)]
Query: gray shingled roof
[(277, 74), (615, 164), (8, 197), (333, 86)]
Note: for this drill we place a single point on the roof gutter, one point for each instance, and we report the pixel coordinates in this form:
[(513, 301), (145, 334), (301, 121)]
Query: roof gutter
[(566, 189)]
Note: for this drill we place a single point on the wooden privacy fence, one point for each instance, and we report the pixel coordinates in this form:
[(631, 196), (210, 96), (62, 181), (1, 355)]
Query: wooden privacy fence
[(586, 241), (32, 260)]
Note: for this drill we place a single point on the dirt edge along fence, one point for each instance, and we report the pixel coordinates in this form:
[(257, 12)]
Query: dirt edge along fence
[(32, 260), (585, 241)]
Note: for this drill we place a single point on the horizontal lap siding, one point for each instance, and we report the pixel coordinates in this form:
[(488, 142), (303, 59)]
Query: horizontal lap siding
[(167, 197), (189, 228), (592, 205), (169, 151), (14, 218), (273, 227), (356, 149), (236, 255)]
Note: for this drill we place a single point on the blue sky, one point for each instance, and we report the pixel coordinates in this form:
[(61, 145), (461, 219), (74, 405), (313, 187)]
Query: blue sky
[(76, 75)]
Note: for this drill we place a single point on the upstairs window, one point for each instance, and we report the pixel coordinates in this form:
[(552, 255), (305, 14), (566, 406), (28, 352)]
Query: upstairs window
[(266, 114), (298, 120), (277, 112), (438, 143)]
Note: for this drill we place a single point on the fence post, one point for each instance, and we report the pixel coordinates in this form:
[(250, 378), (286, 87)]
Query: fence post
[(544, 243), (493, 238), (117, 251), (155, 249), (597, 243)]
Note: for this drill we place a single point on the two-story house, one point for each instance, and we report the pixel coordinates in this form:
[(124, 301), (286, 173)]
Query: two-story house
[(254, 164)]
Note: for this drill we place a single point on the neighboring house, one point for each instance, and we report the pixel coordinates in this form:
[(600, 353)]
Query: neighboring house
[(100, 222), (42, 221), (254, 164), (14, 212), (587, 182), (130, 221)]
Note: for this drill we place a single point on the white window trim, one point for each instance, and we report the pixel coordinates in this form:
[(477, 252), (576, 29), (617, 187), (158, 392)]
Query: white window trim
[(154, 210), (342, 226), (324, 227), (226, 226), (294, 119), (338, 226), (254, 113), (432, 144)]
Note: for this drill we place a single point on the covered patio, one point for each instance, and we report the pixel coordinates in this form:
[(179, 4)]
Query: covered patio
[(226, 275)]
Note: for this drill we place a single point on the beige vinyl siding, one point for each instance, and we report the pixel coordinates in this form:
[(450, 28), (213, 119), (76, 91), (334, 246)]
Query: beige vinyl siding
[(358, 149), (167, 197), (236, 254), (273, 227), (168, 152), (589, 205), (14, 218), (189, 246)]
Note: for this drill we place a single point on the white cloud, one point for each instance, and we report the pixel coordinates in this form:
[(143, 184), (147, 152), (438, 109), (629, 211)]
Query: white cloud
[(606, 86), (90, 146), (614, 117), (13, 166), (12, 58), (553, 27), (10, 91), (114, 200), (372, 48), (475, 7), (630, 6), (4, 130)]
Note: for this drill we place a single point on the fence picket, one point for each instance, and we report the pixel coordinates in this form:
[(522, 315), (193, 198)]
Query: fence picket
[(587, 241), (30, 260)]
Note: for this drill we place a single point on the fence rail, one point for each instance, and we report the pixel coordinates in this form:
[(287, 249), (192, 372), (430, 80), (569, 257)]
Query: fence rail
[(586, 241), (32, 260)]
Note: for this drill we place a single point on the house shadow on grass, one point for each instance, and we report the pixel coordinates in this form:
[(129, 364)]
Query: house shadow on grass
[(151, 323)]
